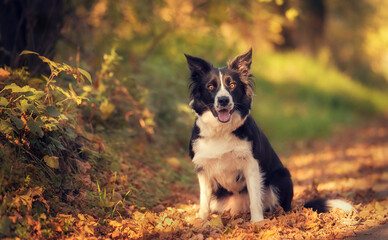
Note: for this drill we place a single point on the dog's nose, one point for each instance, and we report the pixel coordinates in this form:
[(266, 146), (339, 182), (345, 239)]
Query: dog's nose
[(223, 101)]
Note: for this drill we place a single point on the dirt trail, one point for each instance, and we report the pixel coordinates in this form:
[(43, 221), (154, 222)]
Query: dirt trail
[(353, 165)]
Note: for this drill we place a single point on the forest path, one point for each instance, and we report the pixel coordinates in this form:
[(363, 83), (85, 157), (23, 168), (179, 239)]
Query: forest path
[(352, 165)]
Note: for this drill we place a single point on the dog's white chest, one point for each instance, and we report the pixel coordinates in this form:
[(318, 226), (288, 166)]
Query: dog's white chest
[(223, 159)]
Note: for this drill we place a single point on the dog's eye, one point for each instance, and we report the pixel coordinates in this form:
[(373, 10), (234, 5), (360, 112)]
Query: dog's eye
[(210, 87), (232, 85)]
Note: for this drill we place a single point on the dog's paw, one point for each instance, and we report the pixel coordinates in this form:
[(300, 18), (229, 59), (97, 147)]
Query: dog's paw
[(257, 218), (203, 214)]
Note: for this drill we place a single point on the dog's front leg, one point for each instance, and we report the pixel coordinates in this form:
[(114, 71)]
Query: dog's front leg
[(205, 194), (254, 185)]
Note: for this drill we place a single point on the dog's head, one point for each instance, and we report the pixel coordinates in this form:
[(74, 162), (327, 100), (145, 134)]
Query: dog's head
[(223, 91)]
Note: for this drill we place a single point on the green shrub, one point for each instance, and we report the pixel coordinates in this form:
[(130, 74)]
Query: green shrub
[(38, 116)]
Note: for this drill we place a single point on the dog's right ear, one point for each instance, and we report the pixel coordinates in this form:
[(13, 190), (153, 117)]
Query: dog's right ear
[(242, 63), (198, 65)]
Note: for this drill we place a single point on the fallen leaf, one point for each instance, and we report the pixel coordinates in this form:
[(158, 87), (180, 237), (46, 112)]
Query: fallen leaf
[(81, 217), (88, 230), (216, 222), (51, 161), (115, 234), (379, 207), (198, 222), (4, 74)]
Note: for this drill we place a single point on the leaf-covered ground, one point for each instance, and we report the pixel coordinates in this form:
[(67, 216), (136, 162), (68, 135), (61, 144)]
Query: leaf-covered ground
[(353, 165)]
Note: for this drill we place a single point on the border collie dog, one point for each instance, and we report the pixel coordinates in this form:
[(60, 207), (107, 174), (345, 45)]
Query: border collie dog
[(236, 166)]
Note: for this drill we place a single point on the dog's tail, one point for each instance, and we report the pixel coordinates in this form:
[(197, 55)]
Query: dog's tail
[(325, 205)]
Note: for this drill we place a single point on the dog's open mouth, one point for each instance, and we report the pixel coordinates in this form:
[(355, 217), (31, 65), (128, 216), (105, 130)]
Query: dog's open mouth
[(224, 115)]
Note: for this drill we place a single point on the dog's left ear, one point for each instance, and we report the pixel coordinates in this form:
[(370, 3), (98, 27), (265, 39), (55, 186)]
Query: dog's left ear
[(242, 63), (198, 65)]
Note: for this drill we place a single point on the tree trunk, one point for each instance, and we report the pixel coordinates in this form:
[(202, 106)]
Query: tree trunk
[(29, 25)]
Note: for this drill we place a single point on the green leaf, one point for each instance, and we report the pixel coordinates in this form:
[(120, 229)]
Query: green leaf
[(33, 109), (39, 122), (216, 222), (228, 230), (51, 161), (5, 126), (52, 111), (50, 123), (3, 101), (57, 143), (51, 64), (36, 95), (16, 89), (51, 126), (86, 74), (70, 133), (35, 126), (17, 121), (13, 87), (28, 89), (63, 91), (23, 105)]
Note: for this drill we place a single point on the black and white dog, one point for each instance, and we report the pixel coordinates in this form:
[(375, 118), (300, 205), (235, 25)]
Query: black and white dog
[(237, 168)]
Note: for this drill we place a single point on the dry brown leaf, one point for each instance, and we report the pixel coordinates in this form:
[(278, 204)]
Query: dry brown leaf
[(199, 223), (88, 230), (4, 74)]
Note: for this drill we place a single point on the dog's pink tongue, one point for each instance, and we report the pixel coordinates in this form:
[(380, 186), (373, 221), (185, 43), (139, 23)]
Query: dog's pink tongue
[(223, 115)]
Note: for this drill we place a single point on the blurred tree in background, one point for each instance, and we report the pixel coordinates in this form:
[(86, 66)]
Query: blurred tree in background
[(33, 25)]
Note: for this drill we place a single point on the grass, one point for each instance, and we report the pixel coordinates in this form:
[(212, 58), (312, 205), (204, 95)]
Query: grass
[(152, 169)]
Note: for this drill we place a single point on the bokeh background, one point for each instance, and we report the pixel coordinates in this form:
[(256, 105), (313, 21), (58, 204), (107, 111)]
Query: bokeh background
[(317, 64)]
